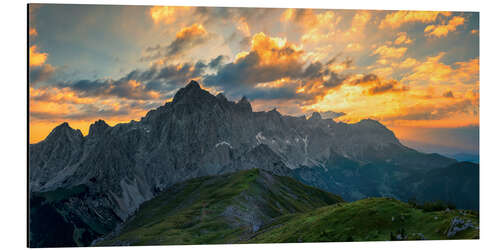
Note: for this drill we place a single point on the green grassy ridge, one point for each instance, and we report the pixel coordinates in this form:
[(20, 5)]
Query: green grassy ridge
[(365, 220), (218, 209)]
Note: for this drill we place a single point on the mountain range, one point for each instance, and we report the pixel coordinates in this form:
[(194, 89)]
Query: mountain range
[(90, 185)]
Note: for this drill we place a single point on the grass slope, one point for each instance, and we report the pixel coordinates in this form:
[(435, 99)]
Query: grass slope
[(372, 219), (218, 209)]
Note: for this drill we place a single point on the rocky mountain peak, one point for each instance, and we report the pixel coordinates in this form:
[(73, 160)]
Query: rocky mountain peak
[(98, 128), (63, 130), (221, 97), (315, 117), (193, 84), (192, 93), (244, 104)]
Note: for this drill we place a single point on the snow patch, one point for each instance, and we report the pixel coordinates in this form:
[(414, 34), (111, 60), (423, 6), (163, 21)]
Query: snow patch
[(260, 138)]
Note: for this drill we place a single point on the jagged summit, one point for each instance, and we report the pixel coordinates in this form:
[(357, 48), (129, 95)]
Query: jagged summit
[(64, 130), (244, 104), (191, 93), (221, 96), (315, 117), (98, 128), (193, 84)]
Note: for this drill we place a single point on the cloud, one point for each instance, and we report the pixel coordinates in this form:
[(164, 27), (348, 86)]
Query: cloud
[(168, 14), (390, 52), (32, 32), (387, 86), (128, 89), (155, 83), (317, 25), (269, 59), (443, 30), (398, 18), (434, 112), (402, 39), (217, 62), (40, 73), (432, 70), (375, 85), (331, 114), (408, 63), (186, 39), (36, 58)]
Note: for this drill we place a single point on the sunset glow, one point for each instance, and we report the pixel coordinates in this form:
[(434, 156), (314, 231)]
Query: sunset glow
[(413, 71)]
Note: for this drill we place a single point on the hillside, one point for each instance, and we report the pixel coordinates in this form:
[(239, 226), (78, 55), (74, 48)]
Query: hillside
[(219, 209), (372, 219), (255, 206)]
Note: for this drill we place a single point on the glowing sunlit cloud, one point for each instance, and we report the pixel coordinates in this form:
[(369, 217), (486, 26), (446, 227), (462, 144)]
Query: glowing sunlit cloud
[(390, 52), (434, 71), (193, 30), (242, 25), (408, 63), (443, 30), (402, 39), (354, 47), (36, 58), (167, 14), (398, 18)]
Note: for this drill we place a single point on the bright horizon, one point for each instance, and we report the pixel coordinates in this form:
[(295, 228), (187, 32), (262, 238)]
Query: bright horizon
[(416, 72)]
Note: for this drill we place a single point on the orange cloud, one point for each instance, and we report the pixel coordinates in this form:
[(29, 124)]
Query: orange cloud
[(318, 26), (359, 21), (193, 30), (434, 71), (402, 39), (398, 18), (242, 25), (32, 32), (51, 106), (443, 30), (274, 50), (408, 63), (36, 58), (390, 52), (167, 14)]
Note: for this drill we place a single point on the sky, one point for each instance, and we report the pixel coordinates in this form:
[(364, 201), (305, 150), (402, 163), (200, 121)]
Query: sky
[(417, 72)]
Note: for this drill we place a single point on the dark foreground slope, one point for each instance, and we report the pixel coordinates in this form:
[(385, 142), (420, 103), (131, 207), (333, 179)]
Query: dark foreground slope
[(219, 209)]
